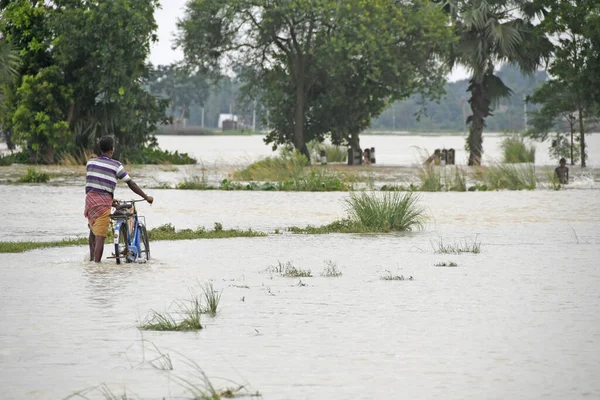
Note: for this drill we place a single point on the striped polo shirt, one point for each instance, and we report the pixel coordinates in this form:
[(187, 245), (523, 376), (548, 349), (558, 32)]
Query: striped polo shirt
[(102, 174)]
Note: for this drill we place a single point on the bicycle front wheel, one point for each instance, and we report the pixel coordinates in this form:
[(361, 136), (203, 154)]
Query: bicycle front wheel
[(144, 242), (121, 246)]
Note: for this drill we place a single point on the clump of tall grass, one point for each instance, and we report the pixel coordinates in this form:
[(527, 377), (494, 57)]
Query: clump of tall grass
[(442, 178), (190, 318), (510, 176), (195, 182), (515, 150), (331, 270), (391, 211), (34, 176), (286, 166), (288, 270), (333, 153), (457, 247), (211, 297), (76, 158), (553, 180), (315, 181)]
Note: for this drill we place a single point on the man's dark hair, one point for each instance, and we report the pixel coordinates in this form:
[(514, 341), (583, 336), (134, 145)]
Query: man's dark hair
[(563, 160), (107, 143)]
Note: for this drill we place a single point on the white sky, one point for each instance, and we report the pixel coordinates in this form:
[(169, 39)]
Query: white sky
[(172, 10)]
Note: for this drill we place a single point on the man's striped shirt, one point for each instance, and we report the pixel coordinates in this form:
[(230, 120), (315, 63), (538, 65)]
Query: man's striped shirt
[(102, 174)]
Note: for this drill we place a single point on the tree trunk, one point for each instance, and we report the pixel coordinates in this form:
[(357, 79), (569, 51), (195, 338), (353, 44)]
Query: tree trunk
[(354, 142), (480, 108), (582, 136), (299, 141)]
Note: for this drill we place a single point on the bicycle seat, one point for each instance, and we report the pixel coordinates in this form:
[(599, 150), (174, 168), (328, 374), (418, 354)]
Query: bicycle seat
[(123, 206)]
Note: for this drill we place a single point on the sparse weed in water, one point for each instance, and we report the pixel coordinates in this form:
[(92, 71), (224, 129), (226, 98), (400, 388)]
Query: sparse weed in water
[(331, 269), (101, 390), (168, 232), (458, 247), (446, 264), (391, 277), (288, 270), (190, 311), (211, 297), (34, 176)]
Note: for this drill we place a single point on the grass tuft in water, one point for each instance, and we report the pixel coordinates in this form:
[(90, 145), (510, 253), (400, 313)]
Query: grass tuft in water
[(458, 247), (446, 264), (34, 176), (288, 270), (515, 150), (212, 298), (510, 176), (287, 166), (331, 269), (391, 211), (391, 277), (189, 320)]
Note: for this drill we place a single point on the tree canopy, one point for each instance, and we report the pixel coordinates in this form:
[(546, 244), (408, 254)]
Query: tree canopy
[(319, 67), (81, 74)]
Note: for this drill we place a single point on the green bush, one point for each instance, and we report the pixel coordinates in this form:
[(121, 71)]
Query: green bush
[(154, 155), (286, 166), (15, 158)]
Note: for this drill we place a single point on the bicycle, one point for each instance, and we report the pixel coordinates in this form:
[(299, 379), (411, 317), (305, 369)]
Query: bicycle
[(130, 234)]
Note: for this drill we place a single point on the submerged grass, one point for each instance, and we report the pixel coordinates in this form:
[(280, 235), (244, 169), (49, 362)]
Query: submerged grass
[(168, 232), (458, 247), (331, 270), (446, 264), (20, 247), (288, 270), (435, 178), (190, 312), (391, 277), (163, 232), (286, 166)]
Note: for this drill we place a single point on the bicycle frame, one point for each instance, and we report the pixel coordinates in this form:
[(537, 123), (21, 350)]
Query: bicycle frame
[(132, 232)]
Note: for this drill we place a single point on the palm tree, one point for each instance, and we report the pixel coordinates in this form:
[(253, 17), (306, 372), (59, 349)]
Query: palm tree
[(490, 32), (9, 61)]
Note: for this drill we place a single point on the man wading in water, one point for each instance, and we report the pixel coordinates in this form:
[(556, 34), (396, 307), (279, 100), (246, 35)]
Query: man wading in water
[(100, 182)]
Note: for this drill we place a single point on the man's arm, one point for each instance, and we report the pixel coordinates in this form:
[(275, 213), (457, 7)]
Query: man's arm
[(137, 190)]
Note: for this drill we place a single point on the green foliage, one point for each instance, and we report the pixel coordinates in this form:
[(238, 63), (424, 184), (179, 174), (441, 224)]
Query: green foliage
[(510, 176), (286, 166), (333, 153), (446, 264), (492, 32), (317, 68), (75, 85), (389, 212), (515, 150), (34, 176), (15, 158), (561, 147), (154, 155)]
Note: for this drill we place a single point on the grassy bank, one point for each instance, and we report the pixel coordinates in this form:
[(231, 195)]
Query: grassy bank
[(164, 232)]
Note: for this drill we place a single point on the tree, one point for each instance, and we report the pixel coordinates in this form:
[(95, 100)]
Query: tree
[(310, 61), (183, 88), (9, 63), (557, 114), (491, 32), (575, 65), (91, 56)]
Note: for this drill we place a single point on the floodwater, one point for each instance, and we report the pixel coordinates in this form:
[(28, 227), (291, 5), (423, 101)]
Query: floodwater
[(520, 320)]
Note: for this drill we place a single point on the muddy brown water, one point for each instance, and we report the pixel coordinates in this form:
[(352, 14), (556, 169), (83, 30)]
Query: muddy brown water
[(519, 320)]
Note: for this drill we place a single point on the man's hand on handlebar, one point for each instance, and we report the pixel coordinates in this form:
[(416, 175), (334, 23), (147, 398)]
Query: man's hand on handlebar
[(150, 199)]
